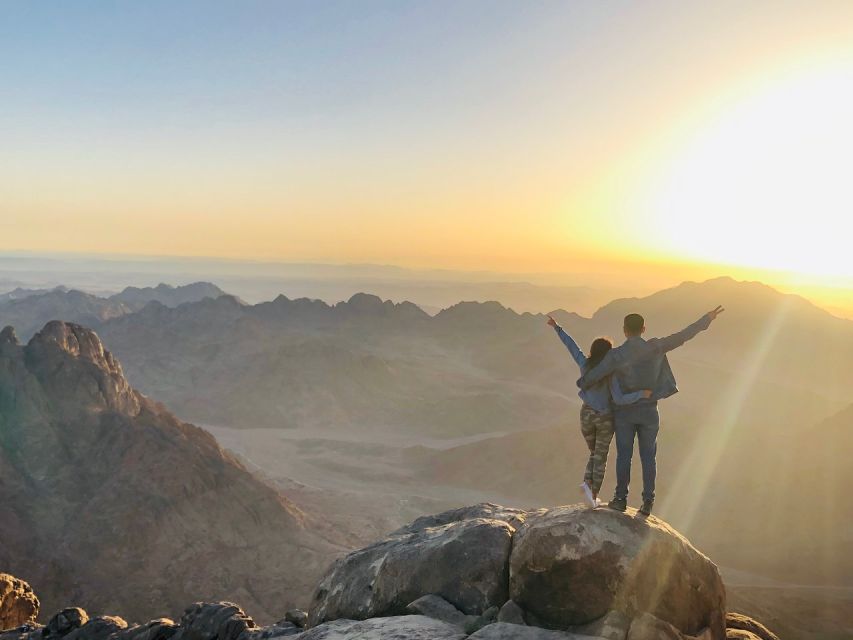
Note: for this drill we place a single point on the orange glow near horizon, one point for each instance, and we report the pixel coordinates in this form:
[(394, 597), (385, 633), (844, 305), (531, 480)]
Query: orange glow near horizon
[(647, 148)]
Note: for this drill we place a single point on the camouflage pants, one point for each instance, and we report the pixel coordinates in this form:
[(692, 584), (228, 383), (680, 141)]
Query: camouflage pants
[(597, 430)]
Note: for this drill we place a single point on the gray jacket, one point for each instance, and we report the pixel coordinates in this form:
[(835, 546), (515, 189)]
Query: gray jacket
[(639, 364)]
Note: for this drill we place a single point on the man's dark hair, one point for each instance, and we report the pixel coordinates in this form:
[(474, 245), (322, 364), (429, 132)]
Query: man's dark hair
[(634, 324)]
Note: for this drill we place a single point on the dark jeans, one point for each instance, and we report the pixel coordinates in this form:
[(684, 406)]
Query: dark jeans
[(643, 422)]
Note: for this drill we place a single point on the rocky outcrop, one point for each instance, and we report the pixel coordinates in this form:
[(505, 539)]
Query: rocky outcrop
[(572, 569), (18, 604), (109, 501), (474, 557), (570, 566)]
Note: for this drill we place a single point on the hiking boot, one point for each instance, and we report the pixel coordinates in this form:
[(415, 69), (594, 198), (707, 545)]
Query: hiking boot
[(618, 504), (646, 509), (587, 493)]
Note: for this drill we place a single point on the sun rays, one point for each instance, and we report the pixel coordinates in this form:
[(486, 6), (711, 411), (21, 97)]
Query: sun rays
[(698, 471)]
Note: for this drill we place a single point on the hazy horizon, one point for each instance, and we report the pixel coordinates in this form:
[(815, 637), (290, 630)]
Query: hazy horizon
[(256, 281)]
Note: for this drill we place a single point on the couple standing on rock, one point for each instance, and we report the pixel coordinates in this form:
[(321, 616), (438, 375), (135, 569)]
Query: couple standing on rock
[(620, 389)]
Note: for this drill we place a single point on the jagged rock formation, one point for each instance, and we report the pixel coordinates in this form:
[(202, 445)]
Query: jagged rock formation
[(18, 603), (109, 501)]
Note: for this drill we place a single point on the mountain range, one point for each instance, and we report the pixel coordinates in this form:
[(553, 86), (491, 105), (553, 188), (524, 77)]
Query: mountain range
[(28, 310), (373, 412)]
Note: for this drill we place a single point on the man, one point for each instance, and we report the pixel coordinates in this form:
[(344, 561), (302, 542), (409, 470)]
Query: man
[(641, 364)]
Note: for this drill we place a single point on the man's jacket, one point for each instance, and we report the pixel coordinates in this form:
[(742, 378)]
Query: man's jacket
[(641, 364)]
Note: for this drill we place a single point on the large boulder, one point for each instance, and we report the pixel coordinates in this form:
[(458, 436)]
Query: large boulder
[(391, 628), (572, 565), (18, 603), (460, 556)]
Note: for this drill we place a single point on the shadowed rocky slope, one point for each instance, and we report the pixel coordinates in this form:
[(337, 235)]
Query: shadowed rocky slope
[(108, 501), (483, 572)]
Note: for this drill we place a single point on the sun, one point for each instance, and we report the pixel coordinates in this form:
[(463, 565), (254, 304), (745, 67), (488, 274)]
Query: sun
[(767, 181)]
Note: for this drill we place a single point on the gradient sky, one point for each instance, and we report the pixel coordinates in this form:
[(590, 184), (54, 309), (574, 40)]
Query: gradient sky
[(489, 135)]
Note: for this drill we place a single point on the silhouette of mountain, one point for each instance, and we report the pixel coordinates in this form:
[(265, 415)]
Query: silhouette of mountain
[(473, 367), (108, 500), (29, 312), (136, 298), (291, 363), (788, 338), (30, 309)]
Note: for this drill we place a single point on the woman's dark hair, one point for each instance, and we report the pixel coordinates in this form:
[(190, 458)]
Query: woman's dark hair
[(599, 349)]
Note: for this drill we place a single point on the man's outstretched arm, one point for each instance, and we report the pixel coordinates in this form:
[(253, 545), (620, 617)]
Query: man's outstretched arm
[(662, 345), (609, 363)]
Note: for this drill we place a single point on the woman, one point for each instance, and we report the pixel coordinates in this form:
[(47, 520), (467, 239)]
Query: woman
[(596, 414)]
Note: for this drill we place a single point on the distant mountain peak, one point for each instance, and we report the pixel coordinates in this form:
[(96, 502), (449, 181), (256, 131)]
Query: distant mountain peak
[(367, 303), (366, 299)]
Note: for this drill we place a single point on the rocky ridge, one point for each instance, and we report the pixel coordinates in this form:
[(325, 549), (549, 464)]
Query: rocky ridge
[(483, 572)]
